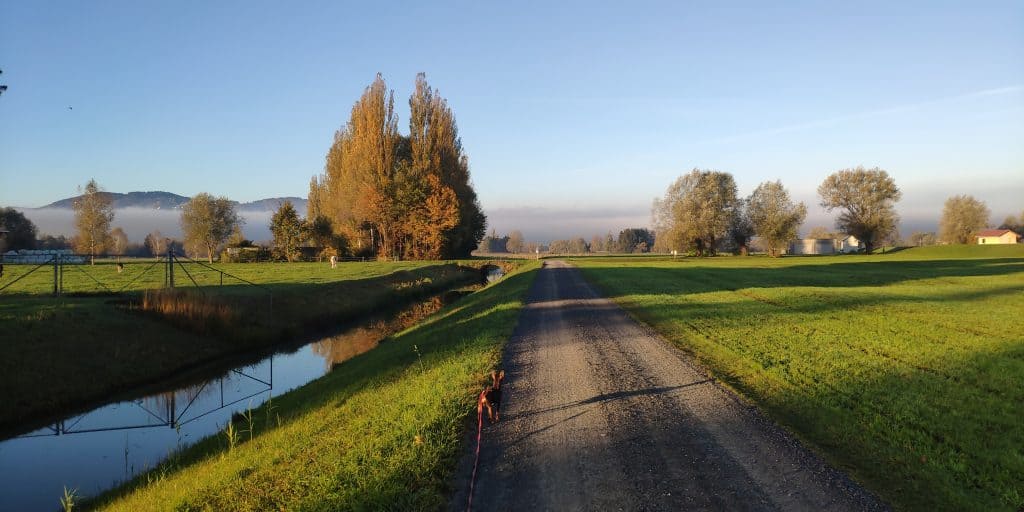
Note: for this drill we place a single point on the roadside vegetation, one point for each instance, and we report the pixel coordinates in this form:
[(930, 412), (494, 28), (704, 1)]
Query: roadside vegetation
[(903, 368), (380, 432), (71, 351)]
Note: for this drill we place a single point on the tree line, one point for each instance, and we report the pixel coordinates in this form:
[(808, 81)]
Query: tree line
[(629, 241), (702, 212)]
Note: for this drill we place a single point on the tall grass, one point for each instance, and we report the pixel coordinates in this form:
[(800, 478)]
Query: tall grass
[(68, 500), (192, 309), (266, 314)]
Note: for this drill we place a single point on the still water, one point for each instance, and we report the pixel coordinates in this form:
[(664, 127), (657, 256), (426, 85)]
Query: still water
[(94, 451)]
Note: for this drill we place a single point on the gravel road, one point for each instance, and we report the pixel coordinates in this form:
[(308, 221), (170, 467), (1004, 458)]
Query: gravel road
[(600, 413)]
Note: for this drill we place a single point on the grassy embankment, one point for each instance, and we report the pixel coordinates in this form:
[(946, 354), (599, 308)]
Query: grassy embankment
[(905, 369), (382, 431), (57, 354)]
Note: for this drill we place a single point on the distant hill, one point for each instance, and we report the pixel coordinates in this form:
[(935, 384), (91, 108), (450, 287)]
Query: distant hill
[(149, 200), (271, 204), (157, 200)]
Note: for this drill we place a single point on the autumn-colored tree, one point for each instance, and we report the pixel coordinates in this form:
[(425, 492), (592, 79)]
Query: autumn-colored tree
[(436, 152), (578, 245), (696, 211), (156, 243), (597, 244), (962, 217), (867, 199), (289, 231), (359, 177), (237, 238), (515, 242), (118, 242), (94, 211), (207, 222), (400, 196), (774, 216), (315, 199)]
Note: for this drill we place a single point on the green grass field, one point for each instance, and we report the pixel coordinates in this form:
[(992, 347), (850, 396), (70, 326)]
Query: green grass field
[(380, 432), (907, 369), (58, 354), (145, 274)]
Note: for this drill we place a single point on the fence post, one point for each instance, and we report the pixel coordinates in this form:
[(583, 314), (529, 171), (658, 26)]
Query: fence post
[(56, 278), (170, 267)]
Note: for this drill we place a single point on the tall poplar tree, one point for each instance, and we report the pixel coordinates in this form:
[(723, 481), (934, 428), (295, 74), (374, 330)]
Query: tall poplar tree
[(437, 151)]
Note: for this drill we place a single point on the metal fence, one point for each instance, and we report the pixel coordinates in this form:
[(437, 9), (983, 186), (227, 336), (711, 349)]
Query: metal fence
[(58, 273)]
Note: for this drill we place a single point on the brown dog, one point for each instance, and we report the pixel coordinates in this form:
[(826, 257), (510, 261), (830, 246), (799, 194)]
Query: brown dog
[(492, 396)]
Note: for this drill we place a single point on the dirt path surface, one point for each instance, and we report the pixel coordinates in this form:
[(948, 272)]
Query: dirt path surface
[(600, 413)]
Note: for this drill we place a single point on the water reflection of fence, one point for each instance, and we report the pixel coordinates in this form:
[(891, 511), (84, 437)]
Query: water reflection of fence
[(162, 410)]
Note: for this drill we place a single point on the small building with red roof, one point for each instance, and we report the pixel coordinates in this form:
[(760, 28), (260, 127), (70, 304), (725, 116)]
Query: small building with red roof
[(996, 236)]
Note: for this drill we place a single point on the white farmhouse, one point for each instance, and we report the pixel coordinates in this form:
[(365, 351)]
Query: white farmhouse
[(848, 244), (996, 236)]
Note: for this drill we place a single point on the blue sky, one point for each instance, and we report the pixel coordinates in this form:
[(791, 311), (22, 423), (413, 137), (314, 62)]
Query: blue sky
[(574, 115)]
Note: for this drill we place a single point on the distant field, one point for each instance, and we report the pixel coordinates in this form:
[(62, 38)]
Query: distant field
[(144, 274), (904, 368)]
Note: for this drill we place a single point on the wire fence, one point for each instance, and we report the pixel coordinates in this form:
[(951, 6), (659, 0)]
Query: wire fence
[(63, 273)]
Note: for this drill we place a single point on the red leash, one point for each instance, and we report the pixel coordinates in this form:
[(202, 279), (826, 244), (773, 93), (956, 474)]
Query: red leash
[(479, 430)]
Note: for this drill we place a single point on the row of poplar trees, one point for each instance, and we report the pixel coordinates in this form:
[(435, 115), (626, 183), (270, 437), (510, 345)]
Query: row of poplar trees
[(394, 195)]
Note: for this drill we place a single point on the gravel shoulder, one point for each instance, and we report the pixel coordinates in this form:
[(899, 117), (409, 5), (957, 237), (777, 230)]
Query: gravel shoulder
[(600, 413)]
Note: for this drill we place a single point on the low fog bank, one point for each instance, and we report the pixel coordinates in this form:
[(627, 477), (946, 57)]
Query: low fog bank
[(537, 224), (139, 222), (546, 224)]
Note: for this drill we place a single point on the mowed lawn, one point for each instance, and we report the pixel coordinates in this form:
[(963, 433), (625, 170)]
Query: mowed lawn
[(906, 369)]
